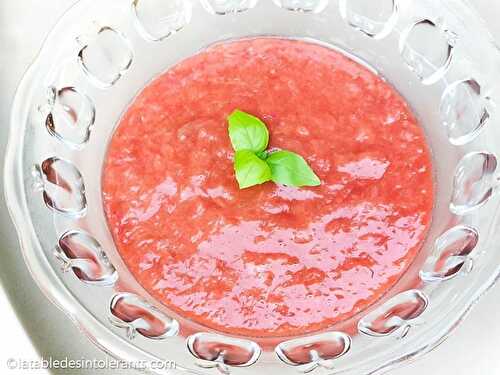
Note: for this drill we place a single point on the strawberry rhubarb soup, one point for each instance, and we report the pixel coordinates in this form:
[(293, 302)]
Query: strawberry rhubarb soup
[(268, 187)]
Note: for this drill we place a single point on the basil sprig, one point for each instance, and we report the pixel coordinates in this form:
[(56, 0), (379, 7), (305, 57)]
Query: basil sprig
[(254, 165)]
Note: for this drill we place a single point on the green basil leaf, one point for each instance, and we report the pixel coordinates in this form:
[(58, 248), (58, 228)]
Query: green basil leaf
[(247, 132), (263, 155), (250, 169), (291, 169)]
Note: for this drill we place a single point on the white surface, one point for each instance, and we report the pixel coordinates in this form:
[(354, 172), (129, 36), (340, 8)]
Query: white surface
[(473, 349), (19, 341)]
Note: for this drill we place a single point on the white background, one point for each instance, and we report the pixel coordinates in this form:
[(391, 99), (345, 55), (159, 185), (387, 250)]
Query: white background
[(473, 349)]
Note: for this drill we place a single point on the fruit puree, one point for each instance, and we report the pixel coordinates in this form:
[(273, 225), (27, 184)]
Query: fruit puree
[(269, 260)]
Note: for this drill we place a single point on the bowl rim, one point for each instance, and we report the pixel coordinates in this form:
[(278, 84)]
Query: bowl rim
[(58, 294)]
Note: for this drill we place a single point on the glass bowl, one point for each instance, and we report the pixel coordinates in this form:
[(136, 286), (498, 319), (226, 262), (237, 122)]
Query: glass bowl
[(437, 53)]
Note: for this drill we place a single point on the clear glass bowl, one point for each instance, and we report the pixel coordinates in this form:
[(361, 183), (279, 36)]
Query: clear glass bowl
[(437, 53)]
